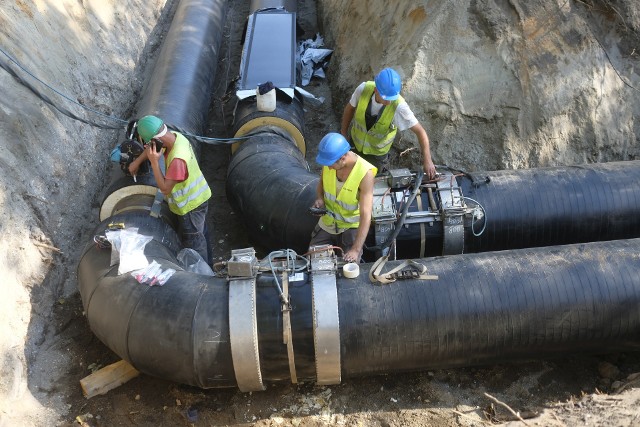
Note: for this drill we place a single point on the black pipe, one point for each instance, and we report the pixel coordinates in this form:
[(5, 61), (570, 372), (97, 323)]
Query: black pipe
[(181, 85), (541, 207), (554, 206), (269, 183), (483, 308)]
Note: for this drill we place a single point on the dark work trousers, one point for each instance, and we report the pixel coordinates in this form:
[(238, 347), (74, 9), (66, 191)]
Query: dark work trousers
[(193, 231)]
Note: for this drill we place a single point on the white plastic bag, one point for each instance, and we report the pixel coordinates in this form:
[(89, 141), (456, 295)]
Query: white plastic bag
[(193, 262), (132, 251)]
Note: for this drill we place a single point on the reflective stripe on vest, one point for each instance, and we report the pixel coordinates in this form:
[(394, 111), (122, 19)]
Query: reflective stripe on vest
[(343, 209), (193, 191), (378, 139)]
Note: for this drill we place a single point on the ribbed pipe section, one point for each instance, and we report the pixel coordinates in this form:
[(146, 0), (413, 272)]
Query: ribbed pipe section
[(553, 206), (540, 207)]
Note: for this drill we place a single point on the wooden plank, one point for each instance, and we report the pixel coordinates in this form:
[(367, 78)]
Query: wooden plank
[(107, 378)]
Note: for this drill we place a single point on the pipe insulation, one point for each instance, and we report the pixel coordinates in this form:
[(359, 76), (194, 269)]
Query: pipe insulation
[(483, 308), (539, 207), (554, 206), (275, 197), (180, 88)]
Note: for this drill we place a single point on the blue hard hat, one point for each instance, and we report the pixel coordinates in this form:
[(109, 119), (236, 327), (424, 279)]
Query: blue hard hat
[(332, 146), (388, 83)]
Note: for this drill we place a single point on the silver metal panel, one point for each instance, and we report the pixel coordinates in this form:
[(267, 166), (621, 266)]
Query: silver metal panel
[(269, 52), (326, 328), (243, 331)]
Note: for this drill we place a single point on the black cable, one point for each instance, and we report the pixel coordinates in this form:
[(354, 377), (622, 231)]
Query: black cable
[(4, 65), (405, 210), (47, 100)]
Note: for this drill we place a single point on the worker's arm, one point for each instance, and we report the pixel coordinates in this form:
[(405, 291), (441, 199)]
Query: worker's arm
[(366, 208), (164, 185), (347, 116), (423, 139), (135, 164), (319, 202)]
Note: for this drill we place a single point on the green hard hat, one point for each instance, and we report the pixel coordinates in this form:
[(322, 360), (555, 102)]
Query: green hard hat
[(148, 127)]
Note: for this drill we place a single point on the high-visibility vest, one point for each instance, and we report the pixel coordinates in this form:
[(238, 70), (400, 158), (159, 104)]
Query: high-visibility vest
[(342, 209), (193, 191), (376, 140)]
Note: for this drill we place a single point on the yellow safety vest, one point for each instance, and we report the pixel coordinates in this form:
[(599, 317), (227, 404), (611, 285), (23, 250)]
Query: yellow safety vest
[(193, 191), (343, 210), (377, 140)]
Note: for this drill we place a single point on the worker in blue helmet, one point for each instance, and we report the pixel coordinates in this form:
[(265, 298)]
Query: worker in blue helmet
[(345, 194), (376, 112)]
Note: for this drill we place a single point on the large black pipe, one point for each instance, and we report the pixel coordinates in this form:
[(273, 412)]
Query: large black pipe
[(554, 206), (275, 197), (180, 88), (483, 308), (542, 207)]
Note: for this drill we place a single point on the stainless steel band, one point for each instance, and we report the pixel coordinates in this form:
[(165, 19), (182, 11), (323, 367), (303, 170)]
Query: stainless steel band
[(326, 328), (243, 332), (452, 207)]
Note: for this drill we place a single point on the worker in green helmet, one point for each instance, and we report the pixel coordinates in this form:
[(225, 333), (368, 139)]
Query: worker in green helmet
[(345, 192), (377, 112), (183, 183)]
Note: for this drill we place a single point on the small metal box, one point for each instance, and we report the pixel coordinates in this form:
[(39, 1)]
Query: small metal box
[(399, 178), (243, 263)]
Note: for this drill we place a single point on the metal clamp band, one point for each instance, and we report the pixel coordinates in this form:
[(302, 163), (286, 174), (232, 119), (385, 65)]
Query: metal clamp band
[(287, 336), (452, 205), (243, 332), (326, 328)]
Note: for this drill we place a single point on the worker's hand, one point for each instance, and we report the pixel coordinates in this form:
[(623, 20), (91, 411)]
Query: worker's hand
[(318, 204), (429, 169), (152, 154), (352, 255), (133, 168)]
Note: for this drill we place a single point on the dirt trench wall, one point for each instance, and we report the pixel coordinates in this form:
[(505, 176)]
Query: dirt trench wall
[(499, 84), (52, 170)]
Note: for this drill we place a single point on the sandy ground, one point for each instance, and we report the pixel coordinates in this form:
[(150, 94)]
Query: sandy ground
[(41, 384)]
